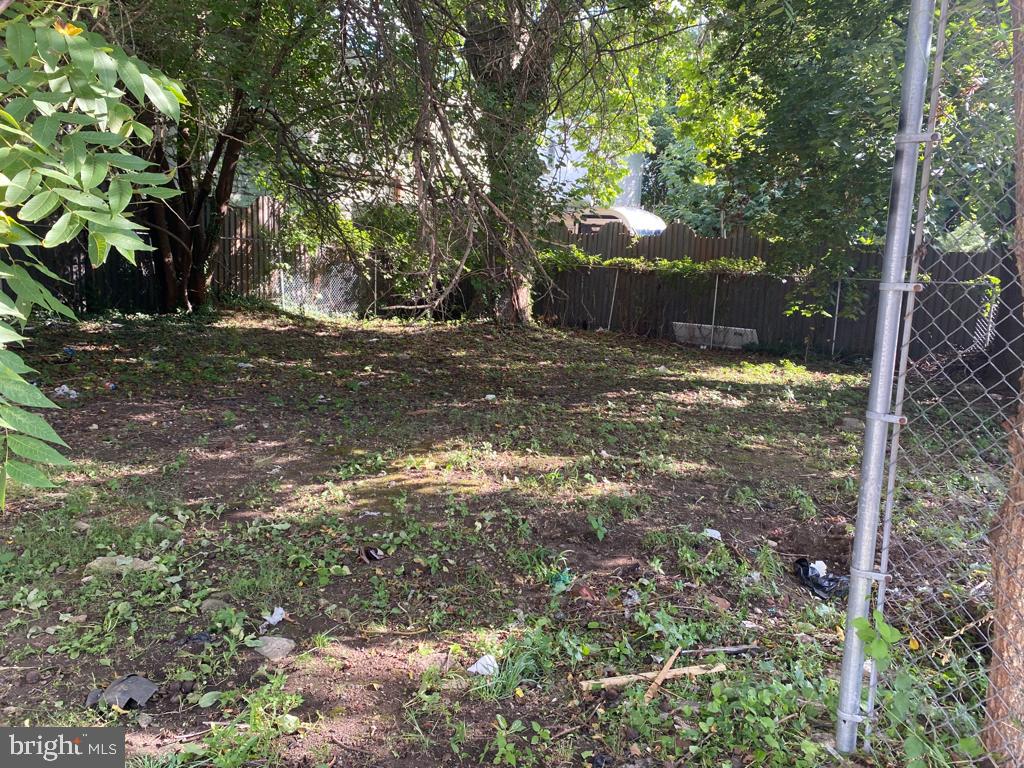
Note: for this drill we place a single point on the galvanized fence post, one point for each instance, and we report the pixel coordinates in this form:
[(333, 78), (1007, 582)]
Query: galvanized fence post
[(892, 288)]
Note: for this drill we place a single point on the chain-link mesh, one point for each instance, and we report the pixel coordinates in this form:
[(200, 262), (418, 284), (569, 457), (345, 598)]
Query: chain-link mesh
[(322, 283), (949, 689)]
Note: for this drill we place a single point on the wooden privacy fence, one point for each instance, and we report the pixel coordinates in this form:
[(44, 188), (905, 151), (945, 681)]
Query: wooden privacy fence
[(957, 300), (248, 263)]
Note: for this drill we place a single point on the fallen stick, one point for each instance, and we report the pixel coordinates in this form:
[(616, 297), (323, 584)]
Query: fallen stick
[(653, 690), (728, 650), (672, 674)]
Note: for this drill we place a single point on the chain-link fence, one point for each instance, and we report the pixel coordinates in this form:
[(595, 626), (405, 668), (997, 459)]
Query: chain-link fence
[(319, 282), (938, 551)]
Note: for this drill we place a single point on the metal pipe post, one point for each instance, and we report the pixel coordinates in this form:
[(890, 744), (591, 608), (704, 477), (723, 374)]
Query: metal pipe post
[(892, 287), (714, 313)]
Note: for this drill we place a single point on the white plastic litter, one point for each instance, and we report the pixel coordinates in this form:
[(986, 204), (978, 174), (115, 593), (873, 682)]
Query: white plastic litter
[(662, 369), (712, 533), (246, 365), (65, 391), (276, 617), (486, 666), (490, 398), (819, 568)]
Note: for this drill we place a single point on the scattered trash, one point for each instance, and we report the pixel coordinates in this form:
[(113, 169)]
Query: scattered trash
[(580, 591), (274, 648), (65, 391), (93, 427), (561, 581), (130, 691), (712, 533), (490, 398), (197, 639), (371, 554), (245, 365), (631, 598), (370, 513), (816, 578), (110, 386), (662, 369), (69, 351), (120, 564), (485, 666), (212, 605), (752, 578), (275, 617)]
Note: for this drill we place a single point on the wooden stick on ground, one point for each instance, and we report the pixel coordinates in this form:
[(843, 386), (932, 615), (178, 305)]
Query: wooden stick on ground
[(672, 674), (728, 650), (653, 690)]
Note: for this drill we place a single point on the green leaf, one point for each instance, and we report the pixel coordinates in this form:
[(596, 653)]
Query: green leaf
[(40, 206), (208, 699), (36, 450), (26, 474), (144, 132), (162, 99), (132, 78), (22, 186), (28, 423), (98, 248), (63, 230), (8, 309), (119, 195), (44, 130), (93, 173), (84, 199), (13, 362), (163, 193), (8, 335), (23, 393), (21, 42), (82, 53)]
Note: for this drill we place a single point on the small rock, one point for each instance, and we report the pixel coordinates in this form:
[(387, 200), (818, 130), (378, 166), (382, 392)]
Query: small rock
[(93, 427), (120, 565), (212, 605), (485, 666), (720, 602), (94, 697), (662, 369), (81, 526), (144, 720), (851, 424), (804, 639), (274, 648), (32, 677), (187, 686)]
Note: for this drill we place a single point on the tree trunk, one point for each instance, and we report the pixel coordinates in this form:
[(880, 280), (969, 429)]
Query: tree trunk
[(1004, 727)]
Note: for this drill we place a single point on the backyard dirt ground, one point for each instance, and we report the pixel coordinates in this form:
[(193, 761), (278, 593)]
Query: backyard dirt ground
[(416, 496)]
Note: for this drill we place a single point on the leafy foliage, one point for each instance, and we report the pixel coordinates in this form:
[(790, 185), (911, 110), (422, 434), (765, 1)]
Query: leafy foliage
[(67, 166)]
